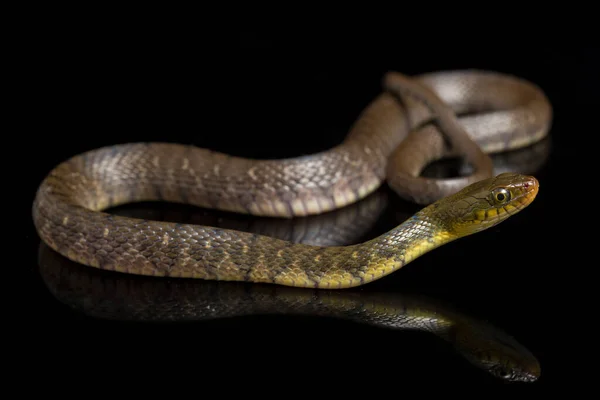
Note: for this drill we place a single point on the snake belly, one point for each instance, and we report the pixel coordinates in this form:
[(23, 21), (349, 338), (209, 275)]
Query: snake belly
[(68, 208)]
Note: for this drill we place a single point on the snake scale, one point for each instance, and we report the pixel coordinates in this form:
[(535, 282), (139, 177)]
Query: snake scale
[(414, 121)]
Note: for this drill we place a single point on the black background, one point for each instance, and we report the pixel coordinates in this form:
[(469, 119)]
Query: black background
[(270, 95)]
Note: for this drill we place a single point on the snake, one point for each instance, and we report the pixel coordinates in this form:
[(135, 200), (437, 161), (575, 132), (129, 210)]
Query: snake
[(413, 122), (113, 297)]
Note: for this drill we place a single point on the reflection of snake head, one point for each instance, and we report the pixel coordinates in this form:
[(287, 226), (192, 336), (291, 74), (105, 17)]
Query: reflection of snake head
[(497, 353), (487, 202)]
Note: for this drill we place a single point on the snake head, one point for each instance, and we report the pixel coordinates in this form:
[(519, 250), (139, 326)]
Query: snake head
[(496, 352), (486, 203)]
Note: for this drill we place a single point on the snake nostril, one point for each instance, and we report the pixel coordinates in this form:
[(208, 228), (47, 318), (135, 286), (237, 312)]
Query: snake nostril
[(530, 184)]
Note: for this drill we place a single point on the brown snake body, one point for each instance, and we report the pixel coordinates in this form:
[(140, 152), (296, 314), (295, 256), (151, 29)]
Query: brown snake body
[(394, 138)]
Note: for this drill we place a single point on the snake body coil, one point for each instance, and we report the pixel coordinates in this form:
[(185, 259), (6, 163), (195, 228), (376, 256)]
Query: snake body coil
[(395, 137)]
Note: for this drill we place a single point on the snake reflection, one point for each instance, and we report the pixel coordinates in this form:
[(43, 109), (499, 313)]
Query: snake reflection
[(104, 295), (107, 295)]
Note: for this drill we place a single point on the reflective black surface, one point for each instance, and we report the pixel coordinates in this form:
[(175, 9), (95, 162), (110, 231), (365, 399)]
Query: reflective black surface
[(117, 297), (267, 97)]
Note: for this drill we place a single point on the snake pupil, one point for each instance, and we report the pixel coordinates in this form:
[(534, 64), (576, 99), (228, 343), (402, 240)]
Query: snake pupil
[(500, 196)]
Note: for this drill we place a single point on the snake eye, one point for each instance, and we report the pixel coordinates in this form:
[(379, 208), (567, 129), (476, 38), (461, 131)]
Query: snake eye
[(500, 195)]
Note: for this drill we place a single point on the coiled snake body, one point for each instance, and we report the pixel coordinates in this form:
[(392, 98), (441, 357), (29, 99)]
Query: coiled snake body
[(409, 125)]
